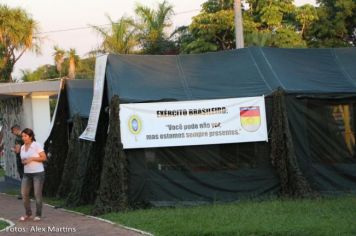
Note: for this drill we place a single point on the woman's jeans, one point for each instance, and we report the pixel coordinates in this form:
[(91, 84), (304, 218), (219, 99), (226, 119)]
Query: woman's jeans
[(36, 180)]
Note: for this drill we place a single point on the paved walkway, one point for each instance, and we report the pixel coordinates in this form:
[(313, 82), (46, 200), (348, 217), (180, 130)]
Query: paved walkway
[(55, 222)]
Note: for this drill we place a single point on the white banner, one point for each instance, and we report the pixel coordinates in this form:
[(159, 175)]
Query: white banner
[(187, 123), (99, 79), (55, 111)]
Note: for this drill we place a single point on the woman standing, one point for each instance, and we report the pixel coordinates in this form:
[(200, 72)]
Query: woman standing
[(32, 156)]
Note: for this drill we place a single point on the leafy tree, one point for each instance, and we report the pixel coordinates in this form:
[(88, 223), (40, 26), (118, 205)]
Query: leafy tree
[(18, 33), (254, 33), (212, 6), (41, 73), (210, 30), (217, 28), (70, 64), (266, 23), (336, 24), (287, 37), (151, 26), (86, 68), (258, 38), (306, 15), (274, 23), (78, 68), (189, 43), (273, 14), (119, 38)]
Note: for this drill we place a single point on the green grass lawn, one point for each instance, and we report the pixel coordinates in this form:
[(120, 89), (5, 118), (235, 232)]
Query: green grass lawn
[(3, 224), (327, 216)]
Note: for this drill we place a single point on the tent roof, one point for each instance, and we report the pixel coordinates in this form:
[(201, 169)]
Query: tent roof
[(235, 73), (80, 96)]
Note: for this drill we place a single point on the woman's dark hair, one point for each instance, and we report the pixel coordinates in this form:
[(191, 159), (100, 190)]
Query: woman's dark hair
[(30, 133)]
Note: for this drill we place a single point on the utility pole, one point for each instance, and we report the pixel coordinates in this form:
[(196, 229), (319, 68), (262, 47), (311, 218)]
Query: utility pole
[(239, 36)]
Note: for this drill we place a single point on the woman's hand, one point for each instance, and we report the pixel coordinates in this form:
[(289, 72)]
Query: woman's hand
[(27, 160)]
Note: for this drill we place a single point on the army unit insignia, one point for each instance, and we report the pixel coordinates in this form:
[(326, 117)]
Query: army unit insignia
[(135, 124), (250, 118)]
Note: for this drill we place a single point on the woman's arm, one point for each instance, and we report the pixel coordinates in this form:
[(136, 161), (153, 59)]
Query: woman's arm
[(42, 157), (16, 149)]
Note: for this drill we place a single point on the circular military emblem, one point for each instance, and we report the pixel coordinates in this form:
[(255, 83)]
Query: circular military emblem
[(135, 124)]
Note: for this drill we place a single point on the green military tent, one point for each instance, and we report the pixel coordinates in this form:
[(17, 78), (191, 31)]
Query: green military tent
[(68, 169), (310, 106), (311, 119)]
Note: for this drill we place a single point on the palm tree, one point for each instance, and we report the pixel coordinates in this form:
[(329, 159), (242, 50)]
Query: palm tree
[(58, 59), (120, 38), (18, 33), (73, 63), (152, 25)]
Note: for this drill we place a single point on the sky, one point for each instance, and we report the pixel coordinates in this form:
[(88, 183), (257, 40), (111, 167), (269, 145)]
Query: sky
[(64, 15)]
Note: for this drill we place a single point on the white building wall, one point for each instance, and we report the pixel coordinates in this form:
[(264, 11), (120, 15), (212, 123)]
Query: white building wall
[(41, 117), (37, 116), (27, 121)]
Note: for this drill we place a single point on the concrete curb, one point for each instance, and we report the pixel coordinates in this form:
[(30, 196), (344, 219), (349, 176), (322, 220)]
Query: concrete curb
[(103, 220), (11, 224)]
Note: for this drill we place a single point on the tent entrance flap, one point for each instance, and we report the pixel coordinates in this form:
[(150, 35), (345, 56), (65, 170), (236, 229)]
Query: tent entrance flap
[(323, 131)]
